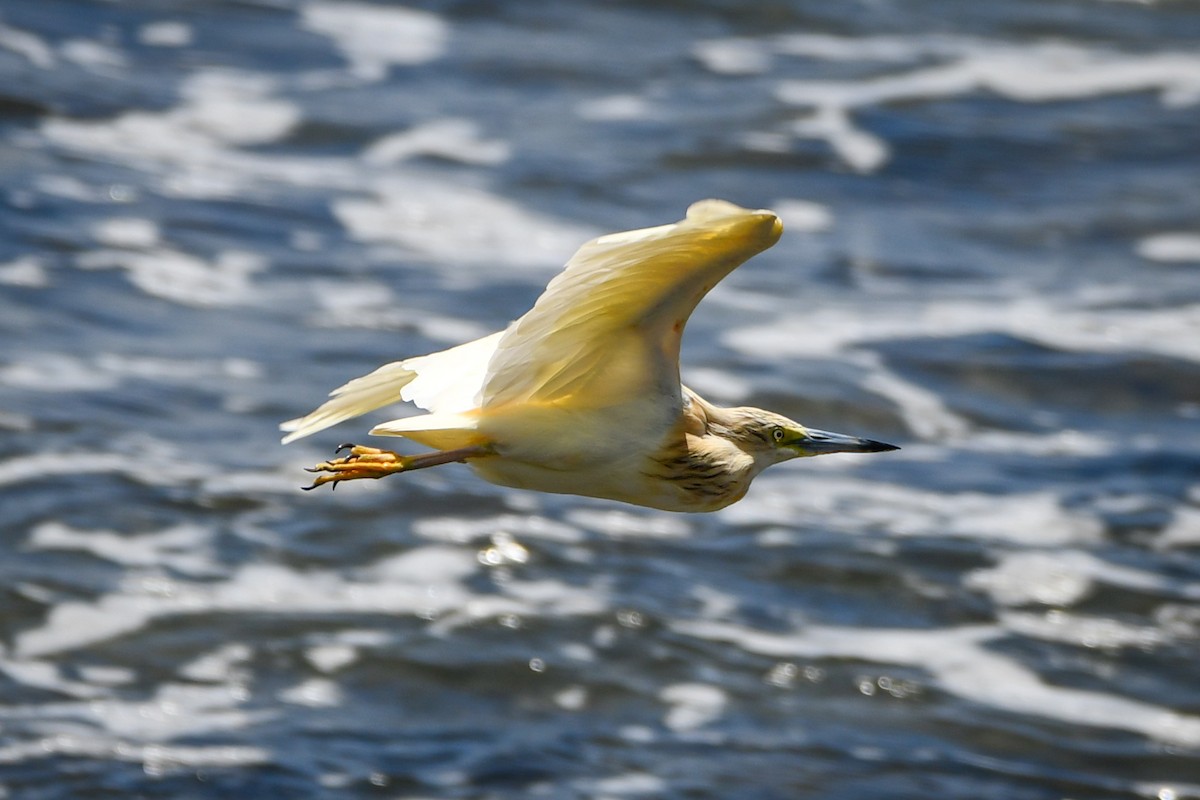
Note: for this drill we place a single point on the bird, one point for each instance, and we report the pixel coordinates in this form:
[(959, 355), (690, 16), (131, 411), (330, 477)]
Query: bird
[(582, 394)]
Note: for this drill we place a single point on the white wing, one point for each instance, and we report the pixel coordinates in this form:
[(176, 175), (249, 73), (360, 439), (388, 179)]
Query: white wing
[(605, 332), (608, 327)]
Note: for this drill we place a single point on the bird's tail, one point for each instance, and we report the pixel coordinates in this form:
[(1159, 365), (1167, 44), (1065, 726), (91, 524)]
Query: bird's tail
[(361, 395)]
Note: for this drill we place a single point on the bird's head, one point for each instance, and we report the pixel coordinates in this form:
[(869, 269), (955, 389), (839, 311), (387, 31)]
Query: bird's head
[(771, 438)]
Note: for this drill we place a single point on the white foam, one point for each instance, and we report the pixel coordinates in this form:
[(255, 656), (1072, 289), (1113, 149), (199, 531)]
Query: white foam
[(150, 461), (622, 524), (54, 372), (880, 48), (48, 676), (102, 724), (183, 548), (922, 411), (1036, 518), (93, 56), (503, 551), (427, 582), (462, 530), (862, 150), (551, 598), (106, 675), (849, 505), (331, 657), (1033, 577), (718, 385), (1076, 72), (1085, 631), (1064, 577), (364, 304), (27, 271), (375, 37), (220, 665), (1035, 72), (184, 278), (1183, 530), (156, 759), (766, 141), (1047, 443), (572, 698), (624, 785), (1148, 789), (335, 651), (169, 370), (453, 139), (71, 188), (959, 663), (313, 693), (10, 421), (692, 705), (220, 109), (615, 108), (193, 150), (32, 47), (237, 108), (735, 56), (458, 225), (803, 216), (835, 330), (176, 710), (127, 232), (446, 565), (1171, 248), (166, 33)]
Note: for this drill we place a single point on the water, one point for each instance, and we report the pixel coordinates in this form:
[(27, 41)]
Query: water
[(214, 213)]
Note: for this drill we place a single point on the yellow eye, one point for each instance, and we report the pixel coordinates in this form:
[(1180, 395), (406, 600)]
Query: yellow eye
[(777, 434)]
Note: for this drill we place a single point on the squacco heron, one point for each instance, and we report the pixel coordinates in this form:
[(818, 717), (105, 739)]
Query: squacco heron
[(582, 394)]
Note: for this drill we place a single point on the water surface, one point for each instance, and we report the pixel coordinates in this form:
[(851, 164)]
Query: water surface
[(214, 213)]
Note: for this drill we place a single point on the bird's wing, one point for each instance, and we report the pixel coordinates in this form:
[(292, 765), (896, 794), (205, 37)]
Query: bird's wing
[(447, 382), (608, 327)]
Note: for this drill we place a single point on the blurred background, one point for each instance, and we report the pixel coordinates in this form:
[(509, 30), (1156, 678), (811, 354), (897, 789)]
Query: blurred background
[(214, 213)]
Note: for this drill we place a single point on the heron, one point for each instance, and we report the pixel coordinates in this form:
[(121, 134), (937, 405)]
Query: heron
[(582, 394)]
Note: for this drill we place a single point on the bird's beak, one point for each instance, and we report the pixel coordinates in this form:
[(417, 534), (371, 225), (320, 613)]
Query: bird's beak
[(815, 443)]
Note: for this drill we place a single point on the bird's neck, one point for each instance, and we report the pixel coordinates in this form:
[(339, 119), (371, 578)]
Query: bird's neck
[(721, 431), (708, 419), (701, 417)]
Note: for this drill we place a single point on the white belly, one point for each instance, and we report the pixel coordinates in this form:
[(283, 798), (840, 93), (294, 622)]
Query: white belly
[(562, 454)]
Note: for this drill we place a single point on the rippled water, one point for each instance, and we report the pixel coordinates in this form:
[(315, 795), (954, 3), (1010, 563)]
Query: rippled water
[(214, 213)]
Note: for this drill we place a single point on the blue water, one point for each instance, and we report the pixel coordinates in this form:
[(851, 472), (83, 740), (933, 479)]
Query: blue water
[(213, 214)]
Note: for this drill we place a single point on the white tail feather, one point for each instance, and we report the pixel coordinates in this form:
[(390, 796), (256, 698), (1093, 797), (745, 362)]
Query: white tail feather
[(361, 395)]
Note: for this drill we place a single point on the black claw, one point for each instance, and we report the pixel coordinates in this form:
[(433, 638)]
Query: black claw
[(346, 446), (313, 469), (308, 488)]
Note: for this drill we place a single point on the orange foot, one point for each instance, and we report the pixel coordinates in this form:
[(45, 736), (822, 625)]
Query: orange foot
[(371, 462), (363, 462)]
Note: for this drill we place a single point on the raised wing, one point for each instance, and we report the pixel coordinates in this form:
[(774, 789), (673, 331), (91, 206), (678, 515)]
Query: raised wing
[(608, 327)]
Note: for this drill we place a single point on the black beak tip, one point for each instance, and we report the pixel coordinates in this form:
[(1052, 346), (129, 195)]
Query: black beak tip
[(873, 446)]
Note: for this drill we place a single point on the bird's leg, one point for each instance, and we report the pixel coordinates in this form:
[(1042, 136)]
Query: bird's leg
[(371, 462)]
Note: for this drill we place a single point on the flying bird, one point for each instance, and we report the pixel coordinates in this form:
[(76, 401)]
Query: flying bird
[(582, 394)]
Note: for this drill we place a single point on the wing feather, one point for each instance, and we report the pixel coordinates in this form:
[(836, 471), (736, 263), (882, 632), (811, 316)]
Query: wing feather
[(605, 332), (446, 382), (610, 324)]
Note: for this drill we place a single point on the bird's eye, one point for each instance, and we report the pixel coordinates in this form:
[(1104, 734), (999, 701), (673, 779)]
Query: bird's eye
[(777, 434)]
